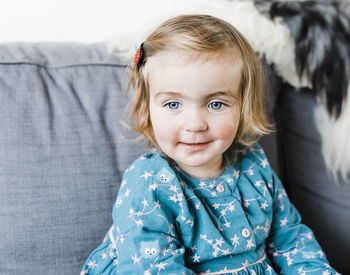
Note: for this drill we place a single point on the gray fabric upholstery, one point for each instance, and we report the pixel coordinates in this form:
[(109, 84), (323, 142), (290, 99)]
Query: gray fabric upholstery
[(323, 204), (61, 153)]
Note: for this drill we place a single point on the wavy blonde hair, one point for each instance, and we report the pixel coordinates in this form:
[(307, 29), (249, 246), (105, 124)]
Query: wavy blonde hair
[(203, 34)]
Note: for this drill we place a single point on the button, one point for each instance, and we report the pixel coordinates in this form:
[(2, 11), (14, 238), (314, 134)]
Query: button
[(220, 188), (245, 233)]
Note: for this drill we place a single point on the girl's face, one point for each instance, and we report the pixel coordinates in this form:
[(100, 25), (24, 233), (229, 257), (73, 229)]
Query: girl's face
[(194, 108)]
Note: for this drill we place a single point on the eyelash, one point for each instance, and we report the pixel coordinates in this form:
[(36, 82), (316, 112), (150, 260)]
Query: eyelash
[(174, 105), (221, 104)]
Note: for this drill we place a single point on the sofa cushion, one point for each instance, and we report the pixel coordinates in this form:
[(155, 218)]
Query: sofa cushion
[(62, 153), (323, 203)]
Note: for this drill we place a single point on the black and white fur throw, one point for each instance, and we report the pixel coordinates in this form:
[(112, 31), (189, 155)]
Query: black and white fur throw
[(308, 43), (321, 33)]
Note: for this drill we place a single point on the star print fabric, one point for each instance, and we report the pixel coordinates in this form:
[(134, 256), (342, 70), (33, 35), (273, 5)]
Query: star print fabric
[(165, 222)]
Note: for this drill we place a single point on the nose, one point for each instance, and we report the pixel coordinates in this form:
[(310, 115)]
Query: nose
[(195, 121)]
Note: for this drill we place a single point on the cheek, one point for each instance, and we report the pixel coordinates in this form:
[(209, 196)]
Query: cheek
[(163, 130), (226, 128)]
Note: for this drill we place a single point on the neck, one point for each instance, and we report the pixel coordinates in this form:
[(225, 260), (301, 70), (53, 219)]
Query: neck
[(209, 171)]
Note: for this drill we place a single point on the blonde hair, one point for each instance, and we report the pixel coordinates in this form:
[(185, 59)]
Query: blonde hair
[(204, 34)]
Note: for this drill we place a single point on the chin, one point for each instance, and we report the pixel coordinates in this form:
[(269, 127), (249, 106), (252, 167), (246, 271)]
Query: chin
[(195, 162)]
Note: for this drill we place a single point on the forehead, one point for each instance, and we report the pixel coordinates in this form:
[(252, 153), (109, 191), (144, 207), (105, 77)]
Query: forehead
[(190, 71), (193, 57)]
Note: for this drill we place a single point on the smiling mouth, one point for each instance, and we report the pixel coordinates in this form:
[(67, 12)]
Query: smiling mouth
[(194, 147)]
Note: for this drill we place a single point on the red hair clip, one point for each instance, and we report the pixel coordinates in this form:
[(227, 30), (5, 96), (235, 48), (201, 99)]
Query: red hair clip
[(139, 56)]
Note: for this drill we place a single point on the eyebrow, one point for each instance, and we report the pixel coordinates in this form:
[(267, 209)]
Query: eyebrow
[(222, 93), (211, 95)]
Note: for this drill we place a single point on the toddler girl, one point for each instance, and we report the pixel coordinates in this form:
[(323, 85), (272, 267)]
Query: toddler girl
[(205, 200)]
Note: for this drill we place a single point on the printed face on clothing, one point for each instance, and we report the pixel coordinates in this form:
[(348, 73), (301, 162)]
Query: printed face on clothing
[(194, 108)]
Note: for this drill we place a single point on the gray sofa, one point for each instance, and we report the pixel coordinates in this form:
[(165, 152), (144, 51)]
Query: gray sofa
[(63, 152)]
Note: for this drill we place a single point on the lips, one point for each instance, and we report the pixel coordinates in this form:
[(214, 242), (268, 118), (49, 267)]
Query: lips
[(194, 147)]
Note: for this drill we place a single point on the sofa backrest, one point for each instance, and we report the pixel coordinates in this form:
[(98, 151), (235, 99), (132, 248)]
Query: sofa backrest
[(62, 153)]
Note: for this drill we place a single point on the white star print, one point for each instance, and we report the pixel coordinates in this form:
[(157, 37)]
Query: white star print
[(264, 163), (111, 254), (92, 264), (173, 188), (219, 242), (250, 243), (173, 198), (284, 222), (228, 224), (146, 175), (161, 266), (246, 203), (157, 204), (136, 259), (195, 258), (139, 222), (127, 193), (264, 205), (153, 186), (123, 184), (235, 240)]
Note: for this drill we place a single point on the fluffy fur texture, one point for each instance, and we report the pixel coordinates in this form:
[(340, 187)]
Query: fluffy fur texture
[(321, 31), (335, 139), (307, 42)]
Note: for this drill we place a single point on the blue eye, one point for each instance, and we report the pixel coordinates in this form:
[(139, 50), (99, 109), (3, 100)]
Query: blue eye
[(215, 105), (173, 105)]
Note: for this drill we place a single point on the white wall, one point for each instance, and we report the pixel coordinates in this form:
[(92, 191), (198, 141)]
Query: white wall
[(76, 20), (61, 20)]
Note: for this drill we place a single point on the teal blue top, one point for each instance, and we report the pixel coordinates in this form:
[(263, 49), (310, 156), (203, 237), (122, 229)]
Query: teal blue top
[(242, 222)]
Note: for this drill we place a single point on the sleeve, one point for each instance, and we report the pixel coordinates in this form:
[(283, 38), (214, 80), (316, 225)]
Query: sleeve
[(292, 246), (143, 238)]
